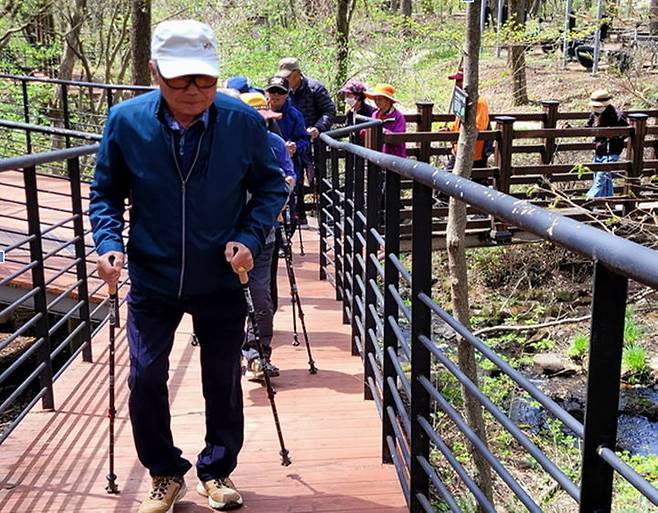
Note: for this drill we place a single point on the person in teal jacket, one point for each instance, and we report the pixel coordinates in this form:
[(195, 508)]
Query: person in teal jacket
[(187, 158)]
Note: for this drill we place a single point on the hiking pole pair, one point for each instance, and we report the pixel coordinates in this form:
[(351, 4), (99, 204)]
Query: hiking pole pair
[(251, 311), (111, 486), (295, 300)]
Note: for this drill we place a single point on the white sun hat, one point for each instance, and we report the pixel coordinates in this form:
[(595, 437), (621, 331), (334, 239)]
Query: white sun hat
[(184, 47)]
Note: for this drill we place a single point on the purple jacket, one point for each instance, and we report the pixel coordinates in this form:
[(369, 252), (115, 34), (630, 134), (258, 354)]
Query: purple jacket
[(394, 122)]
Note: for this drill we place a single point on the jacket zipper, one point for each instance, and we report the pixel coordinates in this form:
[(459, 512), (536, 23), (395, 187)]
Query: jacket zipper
[(183, 194)]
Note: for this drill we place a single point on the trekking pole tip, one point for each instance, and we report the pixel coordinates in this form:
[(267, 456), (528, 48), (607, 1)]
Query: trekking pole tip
[(285, 458)]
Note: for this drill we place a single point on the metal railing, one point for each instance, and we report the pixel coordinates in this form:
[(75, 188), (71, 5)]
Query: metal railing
[(49, 275), (66, 104), (360, 192)]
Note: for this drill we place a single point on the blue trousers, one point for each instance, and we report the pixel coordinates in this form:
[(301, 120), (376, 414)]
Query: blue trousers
[(219, 321), (602, 185)]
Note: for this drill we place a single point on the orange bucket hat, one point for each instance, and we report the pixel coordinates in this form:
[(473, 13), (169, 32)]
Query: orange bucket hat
[(385, 90)]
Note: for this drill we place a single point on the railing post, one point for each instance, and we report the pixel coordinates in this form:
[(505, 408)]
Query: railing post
[(550, 121), (638, 122), (26, 115), (373, 217), (66, 113), (39, 283), (421, 248), (391, 280), (604, 372), (348, 228), (336, 225), (358, 270), (81, 255), (322, 206), (424, 125), (110, 98), (504, 151)]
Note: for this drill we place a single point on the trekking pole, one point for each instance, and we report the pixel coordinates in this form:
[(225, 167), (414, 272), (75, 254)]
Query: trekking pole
[(301, 241), (111, 486), (294, 296), (251, 311)]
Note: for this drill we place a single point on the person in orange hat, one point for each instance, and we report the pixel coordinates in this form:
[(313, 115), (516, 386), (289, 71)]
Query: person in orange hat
[(480, 153), (393, 120)]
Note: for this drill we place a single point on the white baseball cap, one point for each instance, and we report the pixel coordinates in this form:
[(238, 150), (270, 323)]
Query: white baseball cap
[(184, 47)]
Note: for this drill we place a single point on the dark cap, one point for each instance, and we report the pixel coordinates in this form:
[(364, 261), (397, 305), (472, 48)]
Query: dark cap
[(279, 84)]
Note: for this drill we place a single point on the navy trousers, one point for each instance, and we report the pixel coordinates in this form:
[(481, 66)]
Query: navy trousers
[(219, 321), (261, 292)]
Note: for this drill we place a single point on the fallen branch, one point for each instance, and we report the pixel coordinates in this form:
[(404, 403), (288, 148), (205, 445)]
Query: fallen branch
[(529, 327)]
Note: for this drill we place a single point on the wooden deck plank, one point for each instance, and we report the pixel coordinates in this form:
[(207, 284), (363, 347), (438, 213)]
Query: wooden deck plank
[(57, 461)]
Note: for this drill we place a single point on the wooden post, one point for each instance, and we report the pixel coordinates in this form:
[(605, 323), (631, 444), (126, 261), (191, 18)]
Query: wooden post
[(638, 122), (550, 121), (424, 125), (504, 151)]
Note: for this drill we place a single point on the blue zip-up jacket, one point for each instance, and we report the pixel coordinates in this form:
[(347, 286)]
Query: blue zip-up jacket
[(179, 227), (292, 127)]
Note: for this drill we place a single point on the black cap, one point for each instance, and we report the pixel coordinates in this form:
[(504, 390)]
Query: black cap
[(278, 83)]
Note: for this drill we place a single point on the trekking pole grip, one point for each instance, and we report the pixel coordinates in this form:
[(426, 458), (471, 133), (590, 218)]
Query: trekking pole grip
[(242, 274), (112, 287)]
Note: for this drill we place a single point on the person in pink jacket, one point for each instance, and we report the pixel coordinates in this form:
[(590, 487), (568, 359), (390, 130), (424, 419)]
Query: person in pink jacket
[(393, 120)]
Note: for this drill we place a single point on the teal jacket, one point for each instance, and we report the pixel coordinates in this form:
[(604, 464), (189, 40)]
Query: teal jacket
[(179, 226)]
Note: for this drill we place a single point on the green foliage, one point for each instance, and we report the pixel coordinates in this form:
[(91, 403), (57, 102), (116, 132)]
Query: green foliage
[(579, 346), (632, 332), (634, 364)]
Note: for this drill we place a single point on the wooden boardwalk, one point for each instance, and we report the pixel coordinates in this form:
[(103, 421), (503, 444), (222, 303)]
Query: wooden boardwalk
[(56, 462)]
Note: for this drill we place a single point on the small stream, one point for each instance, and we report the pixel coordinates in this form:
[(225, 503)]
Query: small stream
[(637, 427)]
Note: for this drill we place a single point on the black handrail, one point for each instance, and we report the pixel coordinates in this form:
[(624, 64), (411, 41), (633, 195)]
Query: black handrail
[(80, 83), (355, 238), (53, 302)]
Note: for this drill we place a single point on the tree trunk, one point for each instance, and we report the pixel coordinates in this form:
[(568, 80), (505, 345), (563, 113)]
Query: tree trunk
[(653, 17), (140, 41), (455, 243), (407, 7), (342, 41), (516, 60), (72, 37)]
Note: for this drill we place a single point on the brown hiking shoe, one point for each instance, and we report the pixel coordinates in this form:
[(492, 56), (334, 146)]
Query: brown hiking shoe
[(165, 492), (221, 493)]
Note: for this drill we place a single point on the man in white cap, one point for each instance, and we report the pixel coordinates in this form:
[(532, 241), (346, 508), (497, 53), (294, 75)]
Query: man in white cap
[(187, 157)]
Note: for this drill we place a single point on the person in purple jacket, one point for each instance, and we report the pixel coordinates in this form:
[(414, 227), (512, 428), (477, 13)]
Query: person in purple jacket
[(393, 120)]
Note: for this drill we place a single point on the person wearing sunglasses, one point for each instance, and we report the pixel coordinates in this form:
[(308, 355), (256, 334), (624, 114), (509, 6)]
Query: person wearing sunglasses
[(187, 157)]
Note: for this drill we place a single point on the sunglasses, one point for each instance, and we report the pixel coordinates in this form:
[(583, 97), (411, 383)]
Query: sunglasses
[(183, 82)]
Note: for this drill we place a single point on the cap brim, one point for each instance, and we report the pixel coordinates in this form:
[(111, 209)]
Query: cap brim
[(456, 76), (171, 68), (372, 96), (283, 90), (285, 73), (597, 103)]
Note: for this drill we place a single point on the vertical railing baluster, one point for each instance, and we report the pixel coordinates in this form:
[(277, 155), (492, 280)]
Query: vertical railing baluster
[(358, 271), (39, 283), (80, 254), (322, 206), (604, 372), (26, 115), (421, 252), (336, 228), (391, 280), (65, 112), (373, 217), (348, 231)]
